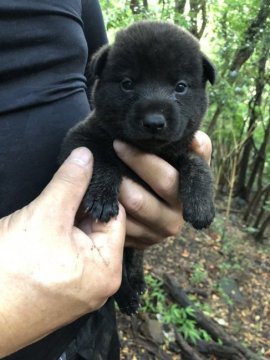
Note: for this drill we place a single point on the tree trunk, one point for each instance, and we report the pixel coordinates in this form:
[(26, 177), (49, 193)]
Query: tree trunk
[(135, 6), (261, 212), (254, 203), (253, 33), (145, 4), (197, 8), (242, 190), (193, 13), (179, 6), (214, 119), (260, 159), (204, 19), (260, 233)]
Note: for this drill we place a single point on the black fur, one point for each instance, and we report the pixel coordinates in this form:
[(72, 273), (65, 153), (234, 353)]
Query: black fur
[(149, 91)]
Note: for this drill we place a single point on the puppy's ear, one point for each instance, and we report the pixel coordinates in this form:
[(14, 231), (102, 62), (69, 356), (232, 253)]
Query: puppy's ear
[(98, 61), (209, 70)]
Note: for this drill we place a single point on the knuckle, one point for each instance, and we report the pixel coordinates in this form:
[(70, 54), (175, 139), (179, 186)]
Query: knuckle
[(168, 183), (136, 202)]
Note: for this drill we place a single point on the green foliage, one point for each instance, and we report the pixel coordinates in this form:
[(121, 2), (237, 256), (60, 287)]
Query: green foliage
[(266, 206), (155, 298), (198, 275), (117, 14), (231, 265), (250, 230), (180, 317), (155, 302), (225, 296), (233, 100), (204, 307)]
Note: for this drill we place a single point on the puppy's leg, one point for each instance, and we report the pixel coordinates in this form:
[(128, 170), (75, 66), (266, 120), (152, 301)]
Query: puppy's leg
[(126, 297), (133, 285), (101, 197), (196, 190), (134, 265)]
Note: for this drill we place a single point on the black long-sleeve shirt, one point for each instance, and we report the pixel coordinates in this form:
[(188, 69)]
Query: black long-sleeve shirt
[(43, 54)]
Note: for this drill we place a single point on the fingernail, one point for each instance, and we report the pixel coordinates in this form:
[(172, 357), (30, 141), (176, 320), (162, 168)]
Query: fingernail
[(119, 146), (80, 156)]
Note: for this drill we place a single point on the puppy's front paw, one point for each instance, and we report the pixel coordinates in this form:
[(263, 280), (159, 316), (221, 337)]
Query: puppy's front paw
[(101, 205), (199, 212)]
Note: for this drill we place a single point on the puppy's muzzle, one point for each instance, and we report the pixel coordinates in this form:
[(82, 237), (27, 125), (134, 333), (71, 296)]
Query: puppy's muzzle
[(154, 122)]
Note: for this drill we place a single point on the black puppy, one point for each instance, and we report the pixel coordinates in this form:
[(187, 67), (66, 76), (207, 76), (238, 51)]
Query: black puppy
[(150, 92)]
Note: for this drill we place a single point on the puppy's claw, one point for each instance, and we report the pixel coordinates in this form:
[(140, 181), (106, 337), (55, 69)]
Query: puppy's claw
[(109, 211), (101, 209)]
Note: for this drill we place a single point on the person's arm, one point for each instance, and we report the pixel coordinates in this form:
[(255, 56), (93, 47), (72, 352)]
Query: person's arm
[(93, 26), (52, 272), (150, 220)]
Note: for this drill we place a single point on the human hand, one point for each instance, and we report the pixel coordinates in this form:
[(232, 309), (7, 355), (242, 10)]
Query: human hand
[(52, 272), (149, 219)]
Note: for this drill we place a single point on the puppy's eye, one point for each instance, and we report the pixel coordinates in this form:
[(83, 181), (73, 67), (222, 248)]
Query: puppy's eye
[(127, 84), (181, 87)]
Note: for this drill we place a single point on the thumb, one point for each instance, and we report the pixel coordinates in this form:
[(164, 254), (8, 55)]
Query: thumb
[(64, 193)]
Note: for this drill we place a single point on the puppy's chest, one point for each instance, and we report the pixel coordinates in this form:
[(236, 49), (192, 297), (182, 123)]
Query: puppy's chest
[(100, 141), (170, 154)]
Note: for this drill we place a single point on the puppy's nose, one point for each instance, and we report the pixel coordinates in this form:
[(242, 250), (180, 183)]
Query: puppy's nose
[(154, 122)]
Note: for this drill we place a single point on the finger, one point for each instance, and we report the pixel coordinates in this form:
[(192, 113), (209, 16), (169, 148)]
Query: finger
[(149, 167), (140, 235), (133, 243), (148, 210), (202, 145), (64, 193), (114, 230)]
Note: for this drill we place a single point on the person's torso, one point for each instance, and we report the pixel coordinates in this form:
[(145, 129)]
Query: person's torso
[(43, 54)]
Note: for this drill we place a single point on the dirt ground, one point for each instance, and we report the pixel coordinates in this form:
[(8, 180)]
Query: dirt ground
[(232, 257)]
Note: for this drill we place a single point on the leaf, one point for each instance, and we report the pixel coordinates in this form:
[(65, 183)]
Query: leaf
[(221, 322), (185, 253), (251, 230)]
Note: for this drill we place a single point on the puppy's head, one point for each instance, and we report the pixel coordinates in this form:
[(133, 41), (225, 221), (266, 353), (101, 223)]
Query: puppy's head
[(150, 86)]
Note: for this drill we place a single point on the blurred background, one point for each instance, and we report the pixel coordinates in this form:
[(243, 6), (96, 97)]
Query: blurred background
[(225, 271), (235, 34)]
